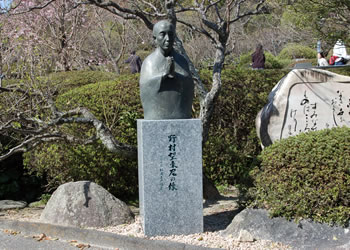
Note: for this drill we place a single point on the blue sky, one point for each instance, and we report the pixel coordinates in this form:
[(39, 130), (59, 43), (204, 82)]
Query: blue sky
[(4, 4)]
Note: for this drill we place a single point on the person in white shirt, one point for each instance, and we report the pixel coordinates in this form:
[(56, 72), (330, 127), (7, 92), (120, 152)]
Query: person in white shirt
[(339, 50), (321, 61)]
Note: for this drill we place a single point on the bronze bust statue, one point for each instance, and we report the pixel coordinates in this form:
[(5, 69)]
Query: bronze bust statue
[(166, 84)]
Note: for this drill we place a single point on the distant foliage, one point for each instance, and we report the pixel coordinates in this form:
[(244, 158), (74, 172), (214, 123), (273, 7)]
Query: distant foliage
[(271, 61), (306, 176), (274, 62), (295, 51)]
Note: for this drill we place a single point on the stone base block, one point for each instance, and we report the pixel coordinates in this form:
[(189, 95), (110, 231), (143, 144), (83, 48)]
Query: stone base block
[(170, 176)]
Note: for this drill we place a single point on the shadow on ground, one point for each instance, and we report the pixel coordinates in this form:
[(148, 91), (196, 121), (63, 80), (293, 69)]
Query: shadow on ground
[(219, 214)]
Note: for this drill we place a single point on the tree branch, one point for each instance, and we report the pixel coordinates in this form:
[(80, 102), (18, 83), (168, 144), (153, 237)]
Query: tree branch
[(36, 136), (28, 9), (259, 9), (125, 13)]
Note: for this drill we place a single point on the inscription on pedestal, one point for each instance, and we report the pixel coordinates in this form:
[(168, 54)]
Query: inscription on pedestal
[(170, 176)]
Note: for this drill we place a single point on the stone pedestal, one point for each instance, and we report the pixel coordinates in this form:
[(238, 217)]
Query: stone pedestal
[(170, 176)]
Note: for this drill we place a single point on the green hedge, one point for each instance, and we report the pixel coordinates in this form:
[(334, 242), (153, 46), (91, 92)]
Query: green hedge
[(233, 145), (294, 51), (67, 80), (60, 163), (306, 176), (228, 156), (271, 61), (117, 104)]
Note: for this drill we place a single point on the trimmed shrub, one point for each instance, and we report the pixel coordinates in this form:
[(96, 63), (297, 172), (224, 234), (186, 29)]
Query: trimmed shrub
[(306, 176), (228, 156), (60, 163), (67, 80), (116, 103), (271, 62), (233, 145), (294, 51)]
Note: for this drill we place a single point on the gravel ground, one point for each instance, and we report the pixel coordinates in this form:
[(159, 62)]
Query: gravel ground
[(217, 216)]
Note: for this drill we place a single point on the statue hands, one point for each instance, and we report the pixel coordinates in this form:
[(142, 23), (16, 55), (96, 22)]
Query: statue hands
[(169, 67)]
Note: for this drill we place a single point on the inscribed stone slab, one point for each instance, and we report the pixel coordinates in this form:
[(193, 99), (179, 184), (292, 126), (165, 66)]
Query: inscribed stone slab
[(304, 100), (170, 176)]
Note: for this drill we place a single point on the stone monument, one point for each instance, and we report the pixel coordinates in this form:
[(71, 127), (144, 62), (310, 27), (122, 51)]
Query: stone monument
[(169, 142), (304, 100)]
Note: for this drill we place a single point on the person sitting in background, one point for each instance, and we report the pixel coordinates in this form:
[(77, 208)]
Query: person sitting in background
[(340, 56), (258, 58), (321, 60)]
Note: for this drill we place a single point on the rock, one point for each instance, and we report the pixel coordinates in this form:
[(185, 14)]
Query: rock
[(304, 100), (302, 235), (85, 204), (9, 204), (245, 236), (210, 192)]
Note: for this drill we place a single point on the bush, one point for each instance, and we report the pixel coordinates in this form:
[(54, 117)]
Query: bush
[(294, 51), (61, 163), (15, 183), (117, 104), (228, 156), (306, 176), (67, 80), (271, 62), (233, 145)]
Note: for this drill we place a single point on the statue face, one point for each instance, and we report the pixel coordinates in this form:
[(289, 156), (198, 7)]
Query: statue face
[(164, 36)]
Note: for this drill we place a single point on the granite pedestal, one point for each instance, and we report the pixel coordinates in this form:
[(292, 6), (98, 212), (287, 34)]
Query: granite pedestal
[(170, 176)]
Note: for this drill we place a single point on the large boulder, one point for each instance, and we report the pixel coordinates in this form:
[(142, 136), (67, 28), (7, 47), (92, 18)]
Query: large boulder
[(85, 204), (304, 100), (305, 234)]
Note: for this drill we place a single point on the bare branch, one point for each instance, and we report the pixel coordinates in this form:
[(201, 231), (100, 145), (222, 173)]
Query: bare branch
[(199, 30), (13, 89), (33, 141), (212, 3), (125, 13), (37, 7), (26, 145), (40, 133), (259, 9)]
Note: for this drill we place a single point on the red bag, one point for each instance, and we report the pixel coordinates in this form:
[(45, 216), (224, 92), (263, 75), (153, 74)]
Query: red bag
[(332, 60)]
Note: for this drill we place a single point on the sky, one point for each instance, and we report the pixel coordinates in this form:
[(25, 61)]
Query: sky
[(5, 4)]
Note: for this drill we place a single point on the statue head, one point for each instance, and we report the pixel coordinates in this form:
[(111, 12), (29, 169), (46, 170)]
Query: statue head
[(164, 36)]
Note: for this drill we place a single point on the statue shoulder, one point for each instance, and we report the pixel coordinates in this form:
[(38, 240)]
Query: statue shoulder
[(148, 59), (151, 60), (149, 68)]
